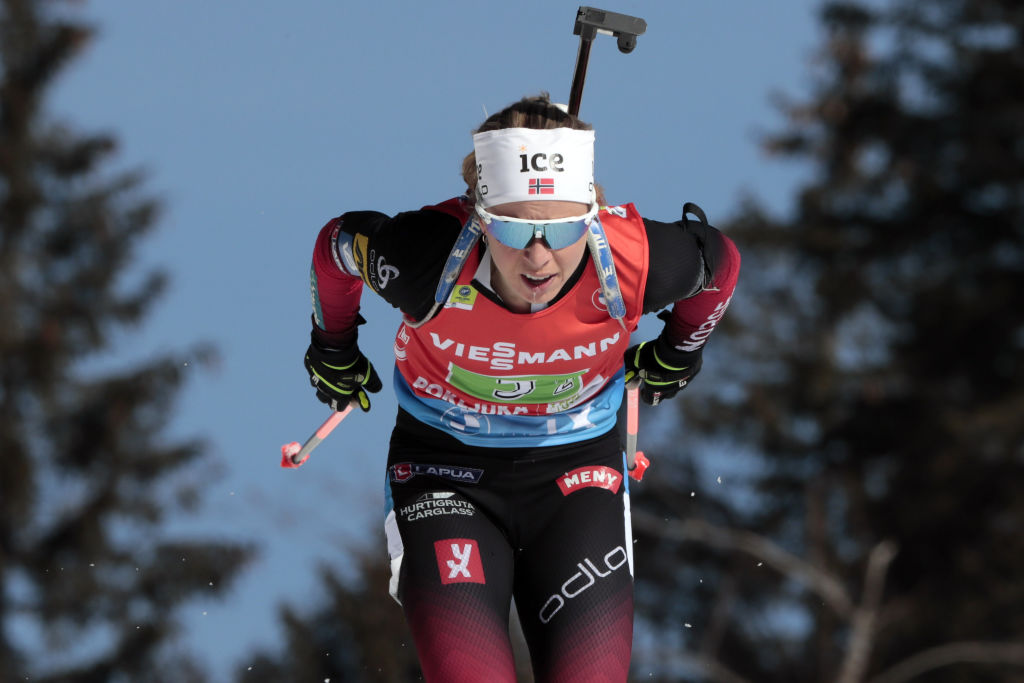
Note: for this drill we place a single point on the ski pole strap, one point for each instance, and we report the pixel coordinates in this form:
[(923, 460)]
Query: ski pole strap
[(601, 253)]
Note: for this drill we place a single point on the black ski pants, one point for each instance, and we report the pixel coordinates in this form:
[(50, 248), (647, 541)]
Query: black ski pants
[(471, 528)]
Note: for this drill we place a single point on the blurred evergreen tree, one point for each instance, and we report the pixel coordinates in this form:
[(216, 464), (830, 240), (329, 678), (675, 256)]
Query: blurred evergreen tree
[(874, 392), (356, 632), (88, 584)]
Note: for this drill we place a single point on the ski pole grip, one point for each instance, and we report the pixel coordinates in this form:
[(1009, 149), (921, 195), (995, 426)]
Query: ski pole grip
[(632, 422), (632, 409)]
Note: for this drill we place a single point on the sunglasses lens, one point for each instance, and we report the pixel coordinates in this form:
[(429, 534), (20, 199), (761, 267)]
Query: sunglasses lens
[(561, 235), (518, 235), (515, 235)]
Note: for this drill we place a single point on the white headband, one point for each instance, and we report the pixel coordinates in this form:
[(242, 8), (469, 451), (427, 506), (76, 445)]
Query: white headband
[(525, 164)]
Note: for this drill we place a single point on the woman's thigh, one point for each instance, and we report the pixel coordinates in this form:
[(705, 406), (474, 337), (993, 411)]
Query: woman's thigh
[(454, 583), (574, 578)]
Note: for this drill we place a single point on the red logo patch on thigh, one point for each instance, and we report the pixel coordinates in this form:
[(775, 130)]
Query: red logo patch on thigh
[(458, 561), (598, 475)]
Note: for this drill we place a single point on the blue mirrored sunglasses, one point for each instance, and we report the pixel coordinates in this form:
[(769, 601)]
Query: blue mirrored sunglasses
[(519, 232)]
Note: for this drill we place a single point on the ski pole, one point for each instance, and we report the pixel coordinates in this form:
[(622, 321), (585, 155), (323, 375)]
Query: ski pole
[(293, 455), (589, 22), (636, 462)]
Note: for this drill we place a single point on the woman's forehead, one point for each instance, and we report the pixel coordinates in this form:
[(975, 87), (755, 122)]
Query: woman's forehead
[(539, 209)]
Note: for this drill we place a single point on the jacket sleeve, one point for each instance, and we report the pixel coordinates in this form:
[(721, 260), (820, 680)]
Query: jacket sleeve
[(400, 258), (335, 291), (694, 267), (694, 318)]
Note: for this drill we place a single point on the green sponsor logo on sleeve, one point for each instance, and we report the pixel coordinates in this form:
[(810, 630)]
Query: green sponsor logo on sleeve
[(520, 389)]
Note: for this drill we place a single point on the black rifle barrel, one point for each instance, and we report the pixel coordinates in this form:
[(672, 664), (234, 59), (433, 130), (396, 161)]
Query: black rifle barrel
[(589, 22)]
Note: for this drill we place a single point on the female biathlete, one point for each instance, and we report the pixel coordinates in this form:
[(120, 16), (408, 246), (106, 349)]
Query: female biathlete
[(505, 474)]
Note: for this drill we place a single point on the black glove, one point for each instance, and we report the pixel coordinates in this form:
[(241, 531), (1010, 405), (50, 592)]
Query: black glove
[(661, 368), (341, 376)]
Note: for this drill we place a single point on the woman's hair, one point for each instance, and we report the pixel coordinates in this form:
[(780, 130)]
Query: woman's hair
[(536, 112)]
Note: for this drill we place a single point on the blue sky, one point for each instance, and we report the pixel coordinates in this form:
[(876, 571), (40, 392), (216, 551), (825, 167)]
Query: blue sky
[(258, 121)]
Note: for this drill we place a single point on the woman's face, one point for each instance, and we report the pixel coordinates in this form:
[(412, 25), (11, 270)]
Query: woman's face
[(537, 273)]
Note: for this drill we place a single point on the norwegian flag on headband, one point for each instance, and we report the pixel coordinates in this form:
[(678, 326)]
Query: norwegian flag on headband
[(542, 186)]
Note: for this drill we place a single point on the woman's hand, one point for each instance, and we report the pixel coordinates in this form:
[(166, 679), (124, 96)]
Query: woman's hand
[(341, 376), (661, 369)]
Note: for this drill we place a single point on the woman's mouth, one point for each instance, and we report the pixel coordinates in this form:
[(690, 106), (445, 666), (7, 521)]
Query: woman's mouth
[(536, 281)]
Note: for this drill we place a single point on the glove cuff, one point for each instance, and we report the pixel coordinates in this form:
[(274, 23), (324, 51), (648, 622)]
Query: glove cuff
[(669, 355), (343, 356), (341, 346)]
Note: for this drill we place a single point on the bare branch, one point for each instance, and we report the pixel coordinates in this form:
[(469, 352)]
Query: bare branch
[(788, 564), (953, 653), (865, 617)]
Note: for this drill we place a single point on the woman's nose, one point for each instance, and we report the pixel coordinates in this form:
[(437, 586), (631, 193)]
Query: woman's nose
[(537, 251)]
